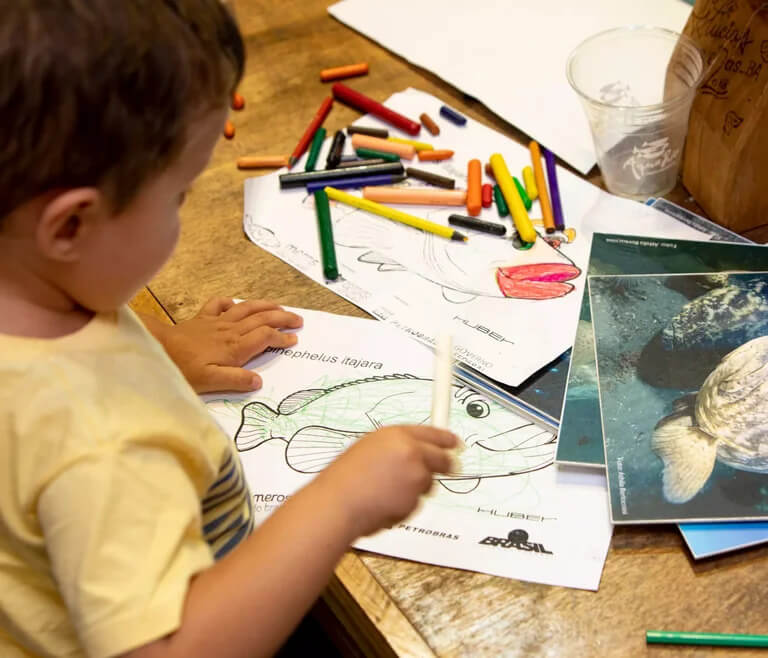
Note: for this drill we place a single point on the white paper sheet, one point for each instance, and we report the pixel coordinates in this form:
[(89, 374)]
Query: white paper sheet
[(507, 510), (509, 55), (422, 284)]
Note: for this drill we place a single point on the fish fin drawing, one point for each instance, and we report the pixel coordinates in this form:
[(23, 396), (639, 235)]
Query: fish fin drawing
[(461, 486), (374, 423), (256, 420), (457, 296), (688, 454), (299, 399), (312, 448), (385, 263)]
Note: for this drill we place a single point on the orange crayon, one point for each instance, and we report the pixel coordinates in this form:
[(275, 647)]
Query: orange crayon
[(429, 124), (428, 196), (262, 161), (474, 189), (437, 154), (541, 184), (405, 151), (341, 72), (238, 102), (229, 129)]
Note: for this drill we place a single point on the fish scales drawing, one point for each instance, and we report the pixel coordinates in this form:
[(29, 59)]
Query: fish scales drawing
[(319, 424)]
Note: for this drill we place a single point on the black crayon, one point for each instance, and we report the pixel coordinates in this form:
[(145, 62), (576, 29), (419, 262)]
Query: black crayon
[(337, 146), (358, 162), (429, 177), (383, 133), (477, 224)]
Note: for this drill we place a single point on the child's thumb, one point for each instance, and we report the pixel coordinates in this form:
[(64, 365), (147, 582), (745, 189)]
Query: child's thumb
[(226, 378)]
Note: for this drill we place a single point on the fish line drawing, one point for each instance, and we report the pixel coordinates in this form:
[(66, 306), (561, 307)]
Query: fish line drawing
[(319, 424), (541, 273)]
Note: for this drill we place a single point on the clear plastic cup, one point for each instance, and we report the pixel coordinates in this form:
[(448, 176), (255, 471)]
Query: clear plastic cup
[(637, 85)]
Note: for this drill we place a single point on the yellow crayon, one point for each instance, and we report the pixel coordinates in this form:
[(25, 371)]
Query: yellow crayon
[(530, 184), (512, 197), (395, 215), (419, 146)]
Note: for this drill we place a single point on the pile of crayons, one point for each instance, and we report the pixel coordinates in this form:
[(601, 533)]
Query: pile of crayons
[(377, 167)]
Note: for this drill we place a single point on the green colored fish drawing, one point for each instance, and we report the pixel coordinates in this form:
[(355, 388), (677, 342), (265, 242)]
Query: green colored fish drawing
[(320, 424)]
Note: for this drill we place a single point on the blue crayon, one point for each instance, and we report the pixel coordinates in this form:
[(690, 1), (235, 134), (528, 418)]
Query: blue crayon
[(357, 181), (452, 115)]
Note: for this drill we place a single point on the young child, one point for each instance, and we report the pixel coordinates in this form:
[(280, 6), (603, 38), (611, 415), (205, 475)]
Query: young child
[(125, 522)]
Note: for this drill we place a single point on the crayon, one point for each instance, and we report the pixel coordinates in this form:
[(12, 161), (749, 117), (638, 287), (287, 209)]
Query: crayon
[(305, 177), (405, 151), (325, 229), (356, 181), (428, 196), (238, 102), (341, 72), (706, 639), (261, 161), (429, 124), (437, 154), (382, 133), (474, 191), (530, 184), (477, 224), (357, 162), (501, 205), (314, 149), (554, 190), (317, 121), (229, 129), (452, 115), (523, 194), (337, 146), (419, 146), (429, 177), (514, 202), (362, 102), (489, 170), (373, 154), (395, 215), (486, 195), (541, 184)]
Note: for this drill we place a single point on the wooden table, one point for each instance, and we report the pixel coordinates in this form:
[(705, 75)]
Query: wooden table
[(387, 606)]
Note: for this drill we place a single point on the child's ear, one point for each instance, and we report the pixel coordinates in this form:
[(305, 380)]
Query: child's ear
[(67, 221)]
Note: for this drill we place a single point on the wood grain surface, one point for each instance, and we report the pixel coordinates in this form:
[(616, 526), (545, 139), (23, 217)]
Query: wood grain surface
[(390, 606)]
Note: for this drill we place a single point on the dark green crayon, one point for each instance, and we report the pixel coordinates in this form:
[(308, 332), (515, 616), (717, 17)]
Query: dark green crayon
[(381, 155), (501, 204), (327, 247), (381, 133), (523, 194), (429, 177), (706, 639), (314, 149)]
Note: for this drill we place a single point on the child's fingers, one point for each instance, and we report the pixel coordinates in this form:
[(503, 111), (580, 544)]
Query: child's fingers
[(215, 306), (434, 435), (260, 339), (244, 309), (224, 378), (437, 460), (276, 319)]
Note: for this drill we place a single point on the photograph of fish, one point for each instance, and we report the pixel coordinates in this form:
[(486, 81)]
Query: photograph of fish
[(319, 424), (683, 391), (580, 440)]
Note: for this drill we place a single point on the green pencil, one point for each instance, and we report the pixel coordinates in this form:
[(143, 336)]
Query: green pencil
[(709, 639), (314, 149), (523, 194), (327, 247)]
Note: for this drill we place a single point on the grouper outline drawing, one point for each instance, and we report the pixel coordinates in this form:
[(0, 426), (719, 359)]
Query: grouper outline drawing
[(319, 424)]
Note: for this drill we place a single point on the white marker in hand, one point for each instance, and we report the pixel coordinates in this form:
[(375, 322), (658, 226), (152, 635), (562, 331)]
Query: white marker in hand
[(443, 379)]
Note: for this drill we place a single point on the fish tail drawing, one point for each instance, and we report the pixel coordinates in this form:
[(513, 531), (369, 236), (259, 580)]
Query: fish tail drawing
[(256, 423), (688, 454), (312, 448)]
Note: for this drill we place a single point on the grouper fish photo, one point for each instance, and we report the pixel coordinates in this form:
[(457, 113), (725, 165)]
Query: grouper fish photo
[(319, 424)]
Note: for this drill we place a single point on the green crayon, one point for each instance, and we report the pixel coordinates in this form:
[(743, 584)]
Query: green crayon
[(501, 204), (327, 247), (314, 149), (523, 194), (371, 153)]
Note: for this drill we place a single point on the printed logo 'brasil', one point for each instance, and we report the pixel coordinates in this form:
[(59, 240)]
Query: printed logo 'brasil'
[(516, 539)]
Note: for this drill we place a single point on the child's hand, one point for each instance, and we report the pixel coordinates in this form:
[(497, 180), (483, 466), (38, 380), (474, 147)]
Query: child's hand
[(210, 348), (378, 481)]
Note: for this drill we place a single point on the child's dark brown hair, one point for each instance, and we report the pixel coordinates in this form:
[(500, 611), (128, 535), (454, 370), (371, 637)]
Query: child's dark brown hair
[(101, 92)]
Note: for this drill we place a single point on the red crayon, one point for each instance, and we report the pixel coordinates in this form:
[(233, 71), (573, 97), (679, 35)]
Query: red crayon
[(474, 194), (364, 104), (487, 195), (310, 132)]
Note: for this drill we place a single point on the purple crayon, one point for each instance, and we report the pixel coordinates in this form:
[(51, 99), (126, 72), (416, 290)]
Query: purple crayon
[(554, 190), (357, 181)]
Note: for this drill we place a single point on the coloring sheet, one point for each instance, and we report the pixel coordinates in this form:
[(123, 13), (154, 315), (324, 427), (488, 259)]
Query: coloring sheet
[(511, 56), (505, 510), (512, 311)]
